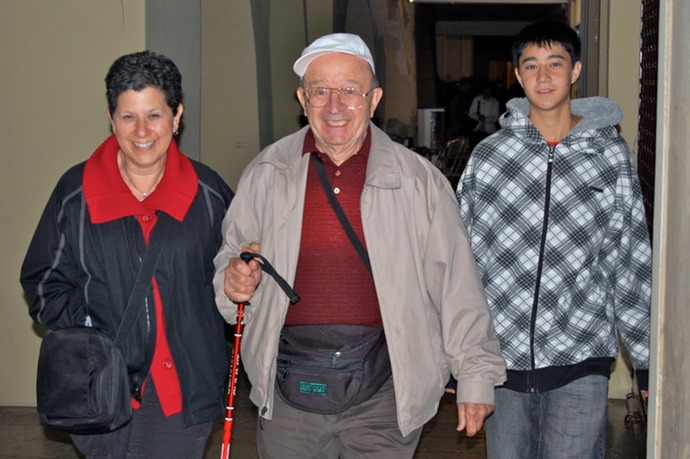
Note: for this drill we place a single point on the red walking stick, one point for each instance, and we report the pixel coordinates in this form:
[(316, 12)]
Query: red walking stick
[(234, 369), (232, 384)]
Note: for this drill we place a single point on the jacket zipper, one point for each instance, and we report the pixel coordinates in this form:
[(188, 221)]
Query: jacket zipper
[(547, 200)]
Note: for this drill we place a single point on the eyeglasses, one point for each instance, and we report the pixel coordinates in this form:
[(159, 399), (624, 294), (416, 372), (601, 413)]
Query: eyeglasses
[(352, 97)]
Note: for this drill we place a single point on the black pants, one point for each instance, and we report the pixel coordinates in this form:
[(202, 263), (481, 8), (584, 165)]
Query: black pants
[(149, 435)]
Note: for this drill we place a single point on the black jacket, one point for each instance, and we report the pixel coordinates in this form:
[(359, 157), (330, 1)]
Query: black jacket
[(79, 273)]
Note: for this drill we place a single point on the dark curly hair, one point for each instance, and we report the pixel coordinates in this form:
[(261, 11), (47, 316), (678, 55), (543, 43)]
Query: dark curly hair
[(141, 70), (547, 33)]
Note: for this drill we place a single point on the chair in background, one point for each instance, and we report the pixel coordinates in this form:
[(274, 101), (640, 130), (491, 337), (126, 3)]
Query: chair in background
[(453, 158)]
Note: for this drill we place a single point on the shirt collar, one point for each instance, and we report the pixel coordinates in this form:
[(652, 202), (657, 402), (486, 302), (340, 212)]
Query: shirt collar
[(108, 197), (309, 145)]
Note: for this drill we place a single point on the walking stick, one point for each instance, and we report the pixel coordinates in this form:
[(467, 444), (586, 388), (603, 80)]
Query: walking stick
[(232, 384), (234, 369)]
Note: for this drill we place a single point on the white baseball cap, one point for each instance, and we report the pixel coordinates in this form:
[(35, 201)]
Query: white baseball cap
[(333, 43)]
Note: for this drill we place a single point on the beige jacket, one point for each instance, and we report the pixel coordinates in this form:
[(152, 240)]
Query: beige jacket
[(432, 302)]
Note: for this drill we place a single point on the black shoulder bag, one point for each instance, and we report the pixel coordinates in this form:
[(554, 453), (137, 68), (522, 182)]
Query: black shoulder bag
[(82, 385), (328, 368)]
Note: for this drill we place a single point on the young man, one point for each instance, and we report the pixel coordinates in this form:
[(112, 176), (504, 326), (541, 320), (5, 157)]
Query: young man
[(553, 208), (419, 287)]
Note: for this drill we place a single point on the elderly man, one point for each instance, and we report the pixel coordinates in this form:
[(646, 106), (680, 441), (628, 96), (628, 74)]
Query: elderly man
[(396, 294)]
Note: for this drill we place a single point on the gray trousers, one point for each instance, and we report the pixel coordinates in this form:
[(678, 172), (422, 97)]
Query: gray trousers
[(367, 430)]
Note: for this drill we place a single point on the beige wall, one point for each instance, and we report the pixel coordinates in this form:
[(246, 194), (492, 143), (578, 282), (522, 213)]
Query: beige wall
[(622, 57), (229, 110), (54, 57), (287, 39), (624, 63)]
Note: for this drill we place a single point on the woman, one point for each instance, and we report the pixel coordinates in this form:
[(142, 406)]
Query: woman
[(88, 246)]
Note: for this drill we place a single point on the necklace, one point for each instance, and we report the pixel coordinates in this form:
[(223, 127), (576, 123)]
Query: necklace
[(130, 183), (133, 187), (144, 194)]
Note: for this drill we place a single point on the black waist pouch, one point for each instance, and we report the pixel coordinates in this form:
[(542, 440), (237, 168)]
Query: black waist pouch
[(326, 369)]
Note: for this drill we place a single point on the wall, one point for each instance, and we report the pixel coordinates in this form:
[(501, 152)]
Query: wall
[(55, 56), (621, 58), (291, 30), (624, 62), (669, 415), (400, 85), (176, 33), (229, 110)]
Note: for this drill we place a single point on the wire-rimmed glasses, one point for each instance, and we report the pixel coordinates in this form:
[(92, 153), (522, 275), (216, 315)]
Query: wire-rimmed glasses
[(352, 97)]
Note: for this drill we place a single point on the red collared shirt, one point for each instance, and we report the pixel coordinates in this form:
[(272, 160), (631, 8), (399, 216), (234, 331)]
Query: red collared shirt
[(334, 285)]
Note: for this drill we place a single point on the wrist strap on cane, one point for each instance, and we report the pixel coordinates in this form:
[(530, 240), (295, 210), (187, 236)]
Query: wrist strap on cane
[(270, 270)]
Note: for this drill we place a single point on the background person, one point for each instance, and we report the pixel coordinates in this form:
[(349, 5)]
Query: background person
[(484, 110), (88, 246), (422, 289), (554, 211)]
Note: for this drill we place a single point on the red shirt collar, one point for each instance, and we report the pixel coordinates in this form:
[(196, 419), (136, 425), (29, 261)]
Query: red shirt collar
[(310, 144), (108, 197)]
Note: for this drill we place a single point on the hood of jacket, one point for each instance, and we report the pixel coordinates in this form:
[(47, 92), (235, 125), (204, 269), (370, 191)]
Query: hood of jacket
[(600, 116)]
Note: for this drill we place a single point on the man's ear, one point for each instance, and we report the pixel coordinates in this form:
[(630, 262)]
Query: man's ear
[(376, 95), (517, 75), (302, 97), (577, 68)]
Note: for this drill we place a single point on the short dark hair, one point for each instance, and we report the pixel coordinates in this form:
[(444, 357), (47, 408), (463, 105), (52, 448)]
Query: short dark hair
[(547, 33), (141, 70)]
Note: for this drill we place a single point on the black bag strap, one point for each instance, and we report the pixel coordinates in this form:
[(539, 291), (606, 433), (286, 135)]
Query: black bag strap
[(359, 247), (270, 270), (135, 304)]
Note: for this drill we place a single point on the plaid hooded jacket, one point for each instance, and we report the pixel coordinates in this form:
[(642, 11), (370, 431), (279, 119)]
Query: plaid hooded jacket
[(561, 243)]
